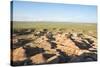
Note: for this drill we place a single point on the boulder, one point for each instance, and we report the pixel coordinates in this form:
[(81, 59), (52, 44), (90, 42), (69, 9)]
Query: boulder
[(38, 59), (18, 54)]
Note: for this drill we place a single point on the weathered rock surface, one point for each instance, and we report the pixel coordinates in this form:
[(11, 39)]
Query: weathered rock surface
[(44, 47)]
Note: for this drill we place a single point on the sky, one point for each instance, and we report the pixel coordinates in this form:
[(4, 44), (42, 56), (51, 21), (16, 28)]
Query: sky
[(36, 11)]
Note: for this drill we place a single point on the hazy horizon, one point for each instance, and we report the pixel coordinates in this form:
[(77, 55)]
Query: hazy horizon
[(36, 11)]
